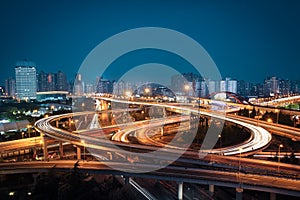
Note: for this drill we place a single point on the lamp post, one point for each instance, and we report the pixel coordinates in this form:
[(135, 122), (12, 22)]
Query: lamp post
[(187, 88), (258, 116), (147, 91), (220, 140), (277, 113), (278, 168)]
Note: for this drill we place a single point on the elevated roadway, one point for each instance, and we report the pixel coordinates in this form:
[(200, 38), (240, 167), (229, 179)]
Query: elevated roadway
[(171, 173)]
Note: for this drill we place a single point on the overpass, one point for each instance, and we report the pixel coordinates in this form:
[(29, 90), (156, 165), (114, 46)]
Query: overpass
[(223, 163), (179, 174)]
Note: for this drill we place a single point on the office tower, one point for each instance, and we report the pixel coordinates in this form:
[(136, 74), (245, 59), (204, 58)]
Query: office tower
[(104, 86), (25, 80), (270, 87), (232, 86), (284, 86), (180, 81), (10, 87), (61, 81), (211, 86), (223, 86), (228, 85), (78, 85), (42, 85), (2, 91), (51, 82)]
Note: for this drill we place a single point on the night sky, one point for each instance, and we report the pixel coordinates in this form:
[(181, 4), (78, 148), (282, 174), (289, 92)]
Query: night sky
[(248, 40)]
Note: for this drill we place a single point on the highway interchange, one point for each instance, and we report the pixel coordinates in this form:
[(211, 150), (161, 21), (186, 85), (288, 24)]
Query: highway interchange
[(251, 172)]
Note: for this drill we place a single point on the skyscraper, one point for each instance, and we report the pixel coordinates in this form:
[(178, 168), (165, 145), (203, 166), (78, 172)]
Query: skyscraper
[(78, 85), (25, 80), (42, 82), (270, 87), (10, 87), (228, 85), (61, 81)]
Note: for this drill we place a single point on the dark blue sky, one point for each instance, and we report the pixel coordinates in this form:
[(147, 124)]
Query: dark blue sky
[(247, 39)]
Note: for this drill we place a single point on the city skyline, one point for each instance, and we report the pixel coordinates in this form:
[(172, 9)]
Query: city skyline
[(181, 84), (239, 36)]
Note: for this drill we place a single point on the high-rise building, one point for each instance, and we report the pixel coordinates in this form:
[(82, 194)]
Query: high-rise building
[(105, 86), (61, 81), (78, 85), (270, 87), (25, 80), (284, 86), (228, 85), (223, 86), (295, 86), (212, 86), (10, 87), (232, 86), (179, 81), (51, 82), (2, 90), (42, 85)]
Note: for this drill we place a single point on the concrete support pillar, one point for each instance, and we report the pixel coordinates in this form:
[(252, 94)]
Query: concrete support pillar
[(239, 193), (126, 179), (165, 112), (56, 123), (45, 148), (78, 153), (180, 190), (211, 189), (272, 196), (110, 155), (162, 131), (34, 153), (34, 176), (61, 149)]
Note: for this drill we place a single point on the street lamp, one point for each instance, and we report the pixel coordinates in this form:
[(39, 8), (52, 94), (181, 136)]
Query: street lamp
[(259, 115), (277, 112), (186, 88), (128, 93), (280, 146), (269, 120), (220, 139), (147, 91)]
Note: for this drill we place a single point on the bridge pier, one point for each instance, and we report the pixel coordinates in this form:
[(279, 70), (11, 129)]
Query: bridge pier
[(239, 193), (78, 153), (34, 152), (272, 196), (61, 149), (45, 147), (110, 155), (162, 131), (180, 190), (211, 189), (126, 179)]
